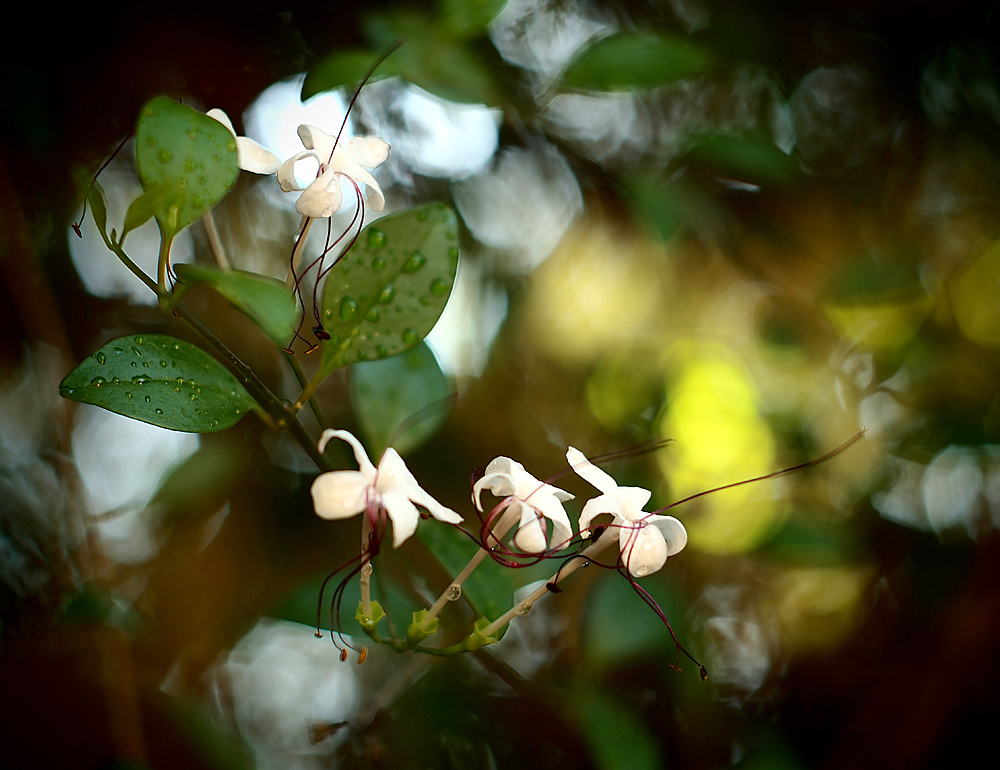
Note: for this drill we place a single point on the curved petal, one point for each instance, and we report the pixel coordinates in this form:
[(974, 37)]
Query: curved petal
[(254, 158), (250, 155), (500, 484), (644, 550), (216, 114), (364, 464), (673, 532), (530, 535), (434, 508), (322, 198), (590, 472), (631, 500), (370, 151), (339, 494), (402, 513), (552, 509), (316, 139), (376, 200), (394, 478), (286, 172), (597, 506)]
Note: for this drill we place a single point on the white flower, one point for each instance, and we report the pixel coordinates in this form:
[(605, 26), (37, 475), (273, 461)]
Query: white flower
[(533, 500), (646, 539), (323, 196), (250, 155), (390, 488)]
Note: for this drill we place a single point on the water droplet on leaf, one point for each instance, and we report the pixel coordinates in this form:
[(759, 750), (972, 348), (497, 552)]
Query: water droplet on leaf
[(348, 309), (410, 337), (414, 263)]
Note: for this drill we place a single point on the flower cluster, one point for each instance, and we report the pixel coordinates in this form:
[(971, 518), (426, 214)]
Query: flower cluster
[(337, 162), (645, 539)]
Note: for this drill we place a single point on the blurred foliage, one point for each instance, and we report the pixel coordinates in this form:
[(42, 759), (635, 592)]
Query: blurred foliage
[(791, 232)]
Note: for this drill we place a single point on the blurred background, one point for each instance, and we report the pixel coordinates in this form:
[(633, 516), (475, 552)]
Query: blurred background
[(752, 228)]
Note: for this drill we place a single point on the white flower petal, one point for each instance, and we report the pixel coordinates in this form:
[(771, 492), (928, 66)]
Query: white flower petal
[(644, 550), (631, 500), (339, 494), (590, 472), (597, 506), (673, 532), (530, 535), (364, 464), (370, 151), (316, 139), (286, 172), (322, 198), (250, 155), (552, 509), (402, 513)]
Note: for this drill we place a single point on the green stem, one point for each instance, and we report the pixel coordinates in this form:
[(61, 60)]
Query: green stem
[(609, 536), (301, 378), (452, 592), (281, 415)]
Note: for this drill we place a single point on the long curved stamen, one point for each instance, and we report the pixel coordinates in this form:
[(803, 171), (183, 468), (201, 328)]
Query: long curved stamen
[(93, 180), (653, 605)]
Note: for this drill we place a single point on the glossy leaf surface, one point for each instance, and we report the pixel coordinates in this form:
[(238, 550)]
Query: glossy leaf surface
[(188, 157), (387, 293), (264, 300), (160, 380)]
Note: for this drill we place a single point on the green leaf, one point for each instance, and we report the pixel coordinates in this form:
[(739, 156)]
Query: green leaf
[(266, 301), (387, 293), (162, 381), (189, 152), (143, 208), (385, 394), (430, 57), (636, 60), (468, 18), (99, 207), (745, 158)]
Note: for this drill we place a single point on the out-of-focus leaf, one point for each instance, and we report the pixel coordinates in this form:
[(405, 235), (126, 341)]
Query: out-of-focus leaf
[(264, 300), (202, 482), (747, 159), (661, 204), (387, 293), (179, 147), (385, 394), (468, 18), (617, 737), (618, 625), (430, 57), (635, 60), (162, 381)]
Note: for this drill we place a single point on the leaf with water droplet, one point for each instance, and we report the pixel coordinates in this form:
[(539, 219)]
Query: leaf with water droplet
[(265, 301), (386, 394), (167, 401), (188, 157), (418, 276)]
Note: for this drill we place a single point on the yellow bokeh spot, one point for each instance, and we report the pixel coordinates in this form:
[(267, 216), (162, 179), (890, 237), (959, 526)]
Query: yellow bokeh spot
[(881, 326), (817, 607), (713, 415), (597, 293), (975, 297)]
